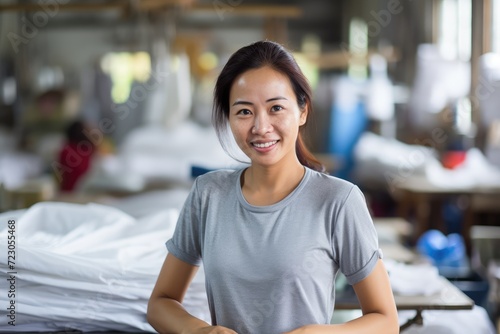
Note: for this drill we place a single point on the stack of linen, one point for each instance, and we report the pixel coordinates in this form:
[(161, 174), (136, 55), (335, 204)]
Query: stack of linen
[(86, 267)]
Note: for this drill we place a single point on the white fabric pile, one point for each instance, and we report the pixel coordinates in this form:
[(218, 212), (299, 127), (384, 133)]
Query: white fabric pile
[(414, 279), (389, 162), (17, 167), (88, 268), (475, 171)]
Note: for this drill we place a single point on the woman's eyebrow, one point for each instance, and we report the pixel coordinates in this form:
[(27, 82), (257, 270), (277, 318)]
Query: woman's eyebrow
[(276, 98), (268, 100), (242, 102)]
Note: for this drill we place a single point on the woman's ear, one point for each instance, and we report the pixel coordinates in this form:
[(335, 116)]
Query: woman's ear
[(303, 115)]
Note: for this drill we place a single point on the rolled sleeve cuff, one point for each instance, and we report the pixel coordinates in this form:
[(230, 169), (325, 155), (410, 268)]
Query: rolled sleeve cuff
[(366, 270), (181, 255)]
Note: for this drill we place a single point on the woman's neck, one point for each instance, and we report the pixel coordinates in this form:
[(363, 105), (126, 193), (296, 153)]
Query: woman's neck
[(268, 185)]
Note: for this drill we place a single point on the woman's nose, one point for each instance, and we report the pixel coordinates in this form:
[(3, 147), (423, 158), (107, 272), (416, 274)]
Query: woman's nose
[(262, 125)]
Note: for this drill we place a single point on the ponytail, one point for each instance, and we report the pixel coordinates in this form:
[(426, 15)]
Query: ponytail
[(306, 158)]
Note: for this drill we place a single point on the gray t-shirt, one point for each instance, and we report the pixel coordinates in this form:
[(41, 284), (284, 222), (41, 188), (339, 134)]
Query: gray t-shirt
[(271, 269)]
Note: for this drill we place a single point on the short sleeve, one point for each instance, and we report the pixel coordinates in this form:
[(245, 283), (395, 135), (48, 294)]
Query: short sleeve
[(355, 241), (185, 244)]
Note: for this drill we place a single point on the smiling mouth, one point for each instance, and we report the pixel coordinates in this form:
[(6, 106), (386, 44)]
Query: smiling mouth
[(264, 145)]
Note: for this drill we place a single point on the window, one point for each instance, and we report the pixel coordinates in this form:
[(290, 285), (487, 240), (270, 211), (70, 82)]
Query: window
[(495, 26), (455, 29), (124, 68)]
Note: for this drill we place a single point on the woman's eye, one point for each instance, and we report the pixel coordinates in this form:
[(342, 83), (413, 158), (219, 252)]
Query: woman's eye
[(244, 112), (277, 108)]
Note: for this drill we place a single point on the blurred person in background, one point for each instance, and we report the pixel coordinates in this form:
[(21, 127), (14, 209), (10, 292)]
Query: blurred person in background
[(75, 157)]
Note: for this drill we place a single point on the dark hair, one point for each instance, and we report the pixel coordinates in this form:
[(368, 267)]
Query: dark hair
[(257, 55), (75, 132)]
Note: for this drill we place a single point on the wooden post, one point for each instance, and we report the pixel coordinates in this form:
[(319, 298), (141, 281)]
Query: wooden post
[(481, 44)]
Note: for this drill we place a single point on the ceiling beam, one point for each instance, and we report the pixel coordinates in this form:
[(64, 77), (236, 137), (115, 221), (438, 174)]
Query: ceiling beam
[(148, 5), (76, 7), (285, 11)]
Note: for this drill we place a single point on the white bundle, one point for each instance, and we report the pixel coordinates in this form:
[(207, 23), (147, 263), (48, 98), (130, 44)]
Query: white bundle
[(88, 268)]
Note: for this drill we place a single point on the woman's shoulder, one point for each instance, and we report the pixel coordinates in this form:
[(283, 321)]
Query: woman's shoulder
[(330, 184), (220, 178)]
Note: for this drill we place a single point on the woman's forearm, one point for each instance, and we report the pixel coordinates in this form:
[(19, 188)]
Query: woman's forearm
[(169, 316), (372, 323)]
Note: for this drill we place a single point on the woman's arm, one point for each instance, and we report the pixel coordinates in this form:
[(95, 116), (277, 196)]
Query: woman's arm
[(377, 303), (165, 312)]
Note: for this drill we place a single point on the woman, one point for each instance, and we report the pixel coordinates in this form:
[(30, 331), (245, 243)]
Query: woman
[(272, 236)]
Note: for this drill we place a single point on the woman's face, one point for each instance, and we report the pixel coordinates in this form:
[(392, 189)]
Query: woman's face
[(264, 116)]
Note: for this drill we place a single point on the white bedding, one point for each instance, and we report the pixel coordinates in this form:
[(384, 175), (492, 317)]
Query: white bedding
[(87, 267)]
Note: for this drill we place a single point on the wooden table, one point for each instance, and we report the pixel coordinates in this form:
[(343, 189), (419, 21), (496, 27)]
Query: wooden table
[(449, 298), (425, 200)]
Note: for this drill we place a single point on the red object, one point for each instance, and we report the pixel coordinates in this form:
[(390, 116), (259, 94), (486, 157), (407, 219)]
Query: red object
[(74, 162), (453, 159)]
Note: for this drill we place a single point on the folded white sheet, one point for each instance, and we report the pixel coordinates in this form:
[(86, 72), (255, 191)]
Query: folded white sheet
[(88, 268)]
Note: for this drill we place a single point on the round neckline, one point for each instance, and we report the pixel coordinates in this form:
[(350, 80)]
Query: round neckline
[(273, 207)]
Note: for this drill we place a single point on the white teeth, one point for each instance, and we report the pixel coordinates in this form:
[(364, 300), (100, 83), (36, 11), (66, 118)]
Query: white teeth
[(265, 144)]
